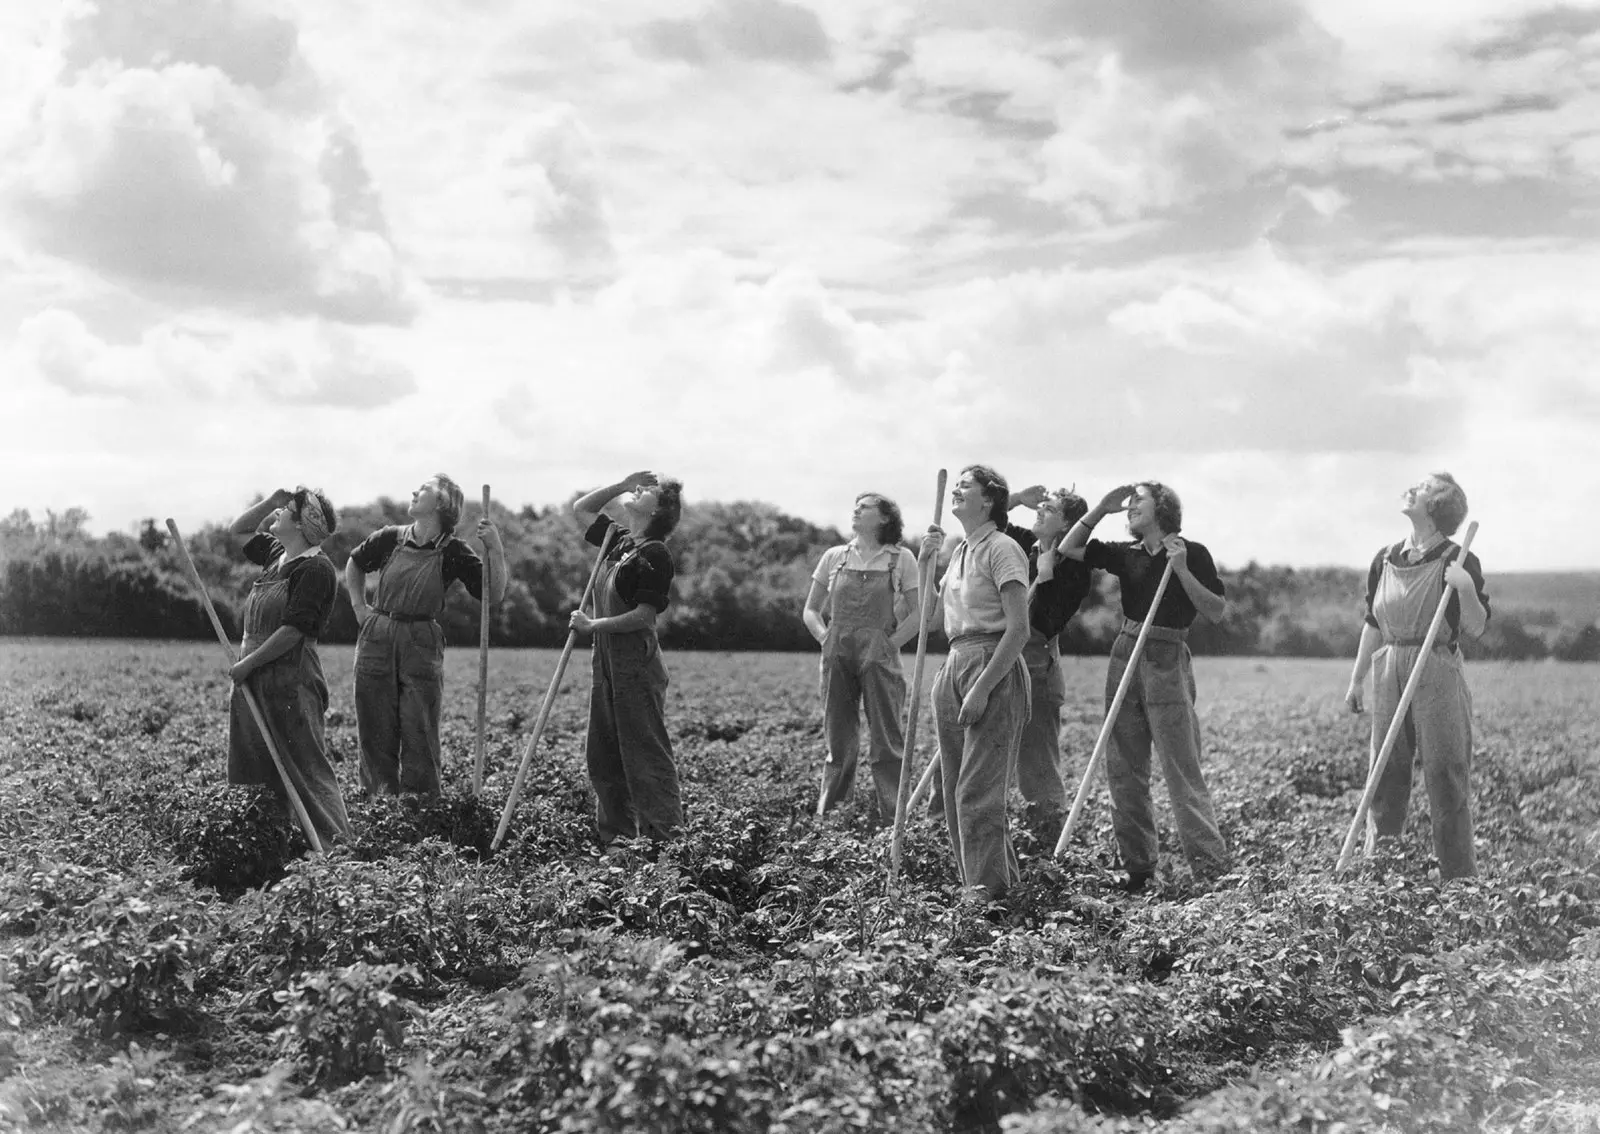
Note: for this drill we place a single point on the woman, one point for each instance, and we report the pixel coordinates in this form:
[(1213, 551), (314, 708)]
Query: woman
[(400, 650), (1404, 585), (1057, 587), (1158, 713), (628, 750), (287, 611), (981, 695), (862, 608)]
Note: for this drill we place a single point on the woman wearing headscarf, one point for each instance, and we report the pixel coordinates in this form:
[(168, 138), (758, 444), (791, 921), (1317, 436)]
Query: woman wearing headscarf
[(1404, 586), (400, 650), (981, 693), (862, 608), (629, 753), (286, 612)]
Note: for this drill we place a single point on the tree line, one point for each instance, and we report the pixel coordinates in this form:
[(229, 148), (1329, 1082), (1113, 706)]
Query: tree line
[(743, 572)]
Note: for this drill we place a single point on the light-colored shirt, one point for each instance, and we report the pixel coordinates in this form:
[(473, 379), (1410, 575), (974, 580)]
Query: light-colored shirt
[(848, 557), (981, 564)]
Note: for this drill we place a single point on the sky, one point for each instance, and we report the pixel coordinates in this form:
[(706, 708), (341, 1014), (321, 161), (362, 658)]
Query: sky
[(1287, 256)]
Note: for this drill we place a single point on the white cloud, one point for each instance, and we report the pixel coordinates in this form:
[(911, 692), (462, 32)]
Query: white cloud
[(209, 361), (184, 145)]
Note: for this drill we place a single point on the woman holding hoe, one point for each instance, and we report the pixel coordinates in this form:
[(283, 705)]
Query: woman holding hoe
[(1404, 586), (862, 608), (1057, 587), (629, 753), (980, 695), (1159, 709), (287, 611), (400, 650)]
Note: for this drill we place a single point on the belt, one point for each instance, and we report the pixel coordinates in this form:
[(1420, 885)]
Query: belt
[(1159, 633), (975, 641), (1438, 643), (402, 617)]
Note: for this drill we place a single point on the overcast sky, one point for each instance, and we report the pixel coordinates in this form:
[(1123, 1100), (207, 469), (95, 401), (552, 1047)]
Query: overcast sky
[(1287, 257)]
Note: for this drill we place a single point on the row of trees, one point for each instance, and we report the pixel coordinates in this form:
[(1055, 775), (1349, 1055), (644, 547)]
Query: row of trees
[(743, 572)]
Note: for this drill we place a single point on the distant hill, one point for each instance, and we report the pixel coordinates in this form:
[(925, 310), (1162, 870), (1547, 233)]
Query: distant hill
[(1547, 599)]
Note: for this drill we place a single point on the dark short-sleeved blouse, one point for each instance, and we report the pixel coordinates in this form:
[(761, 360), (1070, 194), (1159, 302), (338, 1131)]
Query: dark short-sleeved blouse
[(459, 563), (645, 570), (1140, 574), (313, 583), (1052, 604)]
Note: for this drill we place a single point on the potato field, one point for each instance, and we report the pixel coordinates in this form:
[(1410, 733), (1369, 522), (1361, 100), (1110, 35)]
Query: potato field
[(169, 963)]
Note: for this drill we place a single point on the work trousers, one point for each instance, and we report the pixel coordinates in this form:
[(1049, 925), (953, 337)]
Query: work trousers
[(1039, 753), (1438, 726), (977, 762), (1159, 712), (629, 753), (861, 672), (399, 690)]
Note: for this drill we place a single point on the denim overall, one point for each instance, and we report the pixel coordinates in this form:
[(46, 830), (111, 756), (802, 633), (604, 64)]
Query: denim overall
[(400, 674), (628, 750), (1438, 725), (293, 697), (860, 669)]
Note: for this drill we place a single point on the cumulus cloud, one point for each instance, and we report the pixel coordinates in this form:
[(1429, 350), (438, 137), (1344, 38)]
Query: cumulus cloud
[(186, 144), (765, 30), (302, 361)]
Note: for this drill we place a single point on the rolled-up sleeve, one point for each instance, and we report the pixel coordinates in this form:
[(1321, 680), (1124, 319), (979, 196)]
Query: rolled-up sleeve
[(653, 576), (311, 592)]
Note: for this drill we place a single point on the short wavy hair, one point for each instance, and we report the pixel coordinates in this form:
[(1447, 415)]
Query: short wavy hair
[(996, 490), (669, 508), (1169, 509), (893, 528), (1449, 507), (1073, 507), (451, 499)]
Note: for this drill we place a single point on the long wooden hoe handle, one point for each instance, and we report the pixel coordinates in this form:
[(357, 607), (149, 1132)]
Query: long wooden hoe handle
[(549, 699), (1398, 721), (483, 666), (249, 694), (925, 780), (1104, 740), (914, 696)]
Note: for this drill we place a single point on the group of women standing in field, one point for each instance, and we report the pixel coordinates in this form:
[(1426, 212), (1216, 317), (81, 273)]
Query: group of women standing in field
[(1006, 594)]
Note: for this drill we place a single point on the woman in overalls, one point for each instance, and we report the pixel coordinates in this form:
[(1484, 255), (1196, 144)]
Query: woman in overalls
[(1404, 586), (862, 608), (287, 611), (629, 753), (400, 650)]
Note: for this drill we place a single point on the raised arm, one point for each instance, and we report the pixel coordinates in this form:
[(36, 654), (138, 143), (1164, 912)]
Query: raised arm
[(249, 521), (1078, 534), (587, 508)]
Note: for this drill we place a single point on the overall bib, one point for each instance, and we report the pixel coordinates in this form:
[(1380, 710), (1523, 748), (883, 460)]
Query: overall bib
[(1438, 725), (628, 750), (1159, 711), (1039, 753), (860, 669), (293, 697), (400, 675), (977, 762)]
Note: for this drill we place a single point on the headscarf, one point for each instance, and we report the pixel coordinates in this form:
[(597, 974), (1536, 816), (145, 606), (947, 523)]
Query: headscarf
[(313, 521)]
